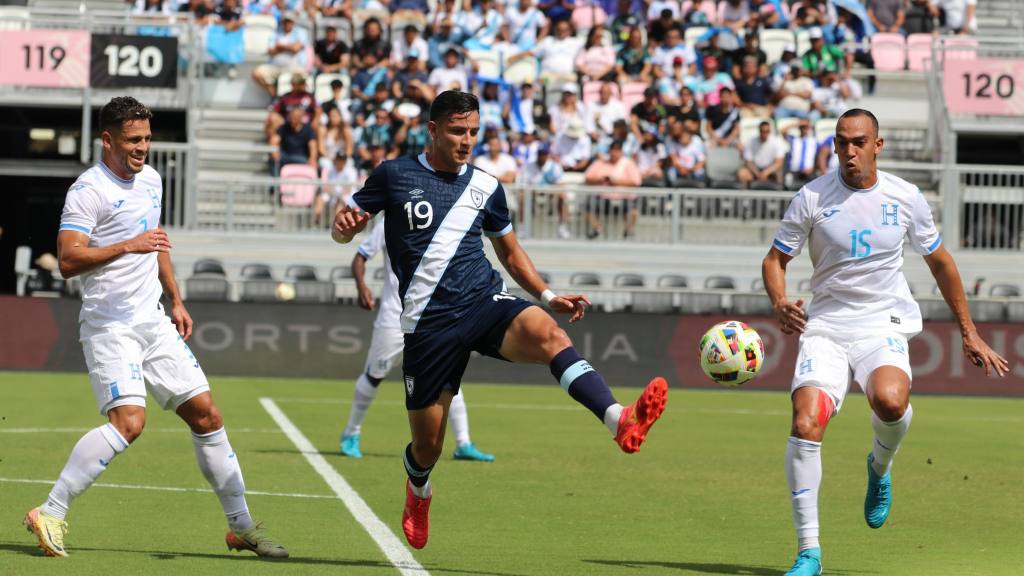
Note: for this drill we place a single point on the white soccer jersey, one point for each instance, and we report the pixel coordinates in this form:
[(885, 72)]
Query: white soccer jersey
[(389, 315), (111, 210), (856, 242)]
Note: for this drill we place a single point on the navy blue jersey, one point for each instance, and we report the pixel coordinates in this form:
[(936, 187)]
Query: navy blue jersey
[(433, 222)]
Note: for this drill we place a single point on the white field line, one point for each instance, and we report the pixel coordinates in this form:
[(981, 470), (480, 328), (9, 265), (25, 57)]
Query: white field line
[(170, 488), (182, 430), (390, 545)]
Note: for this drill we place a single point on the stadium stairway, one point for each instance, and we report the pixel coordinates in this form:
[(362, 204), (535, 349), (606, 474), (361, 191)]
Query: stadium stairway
[(1000, 18)]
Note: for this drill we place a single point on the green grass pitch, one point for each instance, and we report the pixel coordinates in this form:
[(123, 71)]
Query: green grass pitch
[(706, 495)]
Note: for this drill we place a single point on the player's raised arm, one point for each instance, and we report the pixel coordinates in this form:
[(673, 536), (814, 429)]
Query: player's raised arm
[(947, 276), (520, 267)]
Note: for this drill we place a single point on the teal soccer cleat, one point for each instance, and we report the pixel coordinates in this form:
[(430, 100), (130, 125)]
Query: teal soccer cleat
[(350, 446), (469, 452), (879, 497), (808, 563)]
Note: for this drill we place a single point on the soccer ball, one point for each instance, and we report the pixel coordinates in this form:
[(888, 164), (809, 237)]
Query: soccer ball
[(731, 353), (285, 292)]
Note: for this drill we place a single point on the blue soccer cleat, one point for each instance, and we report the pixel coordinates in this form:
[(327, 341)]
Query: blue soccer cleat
[(879, 497), (350, 446), (808, 563), (469, 452)]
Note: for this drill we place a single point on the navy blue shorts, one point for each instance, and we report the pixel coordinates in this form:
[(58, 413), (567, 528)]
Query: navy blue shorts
[(435, 360)]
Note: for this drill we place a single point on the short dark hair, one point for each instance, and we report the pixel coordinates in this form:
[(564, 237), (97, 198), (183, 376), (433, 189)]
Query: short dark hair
[(763, 124), (122, 109), (856, 112), (453, 103)]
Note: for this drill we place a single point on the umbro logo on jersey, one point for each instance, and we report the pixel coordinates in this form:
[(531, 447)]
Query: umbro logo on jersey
[(416, 193), (118, 204), (830, 213)]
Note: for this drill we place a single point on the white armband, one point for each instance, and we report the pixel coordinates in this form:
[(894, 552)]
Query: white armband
[(547, 296)]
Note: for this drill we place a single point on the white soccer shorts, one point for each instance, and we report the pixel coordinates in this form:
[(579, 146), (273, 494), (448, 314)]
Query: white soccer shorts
[(126, 361), (828, 362), (386, 347)]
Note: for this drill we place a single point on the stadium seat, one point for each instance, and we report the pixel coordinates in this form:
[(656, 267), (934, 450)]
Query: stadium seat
[(521, 72), (545, 276), (207, 287), (259, 291), (652, 302), (284, 84), (340, 273), (987, 310), (824, 127), (699, 303), (888, 51), (786, 125), (960, 48), (719, 283), (757, 285), (300, 272), (628, 279), (752, 304), (322, 89), (672, 281), (14, 18), (773, 41), (314, 292), (208, 266), (919, 52), (259, 31), (1004, 291), (1015, 311), (722, 164), (487, 64), (804, 285), (256, 272), (692, 34), (587, 17), (298, 194), (633, 94), (592, 91), (584, 279), (803, 42)]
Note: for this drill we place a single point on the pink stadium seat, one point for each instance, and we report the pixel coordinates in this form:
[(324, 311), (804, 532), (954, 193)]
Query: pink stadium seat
[(592, 91), (633, 94), (960, 47), (587, 17), (919, 52), (298, 194), (889, 51)]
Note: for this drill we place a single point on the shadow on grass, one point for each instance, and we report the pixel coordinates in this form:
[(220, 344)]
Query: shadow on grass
[(32, 550), (705, 567)]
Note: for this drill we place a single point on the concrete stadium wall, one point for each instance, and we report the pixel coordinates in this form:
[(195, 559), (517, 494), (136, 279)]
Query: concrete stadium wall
[(324, 341)]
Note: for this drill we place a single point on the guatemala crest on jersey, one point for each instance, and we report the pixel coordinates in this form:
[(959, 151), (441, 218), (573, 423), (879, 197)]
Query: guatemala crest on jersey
[(410, 384), (477, 195)]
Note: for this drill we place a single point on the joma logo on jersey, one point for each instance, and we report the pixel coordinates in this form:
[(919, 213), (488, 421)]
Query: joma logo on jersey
[(890, 214), (118, 204), (416, 193), (830, 213)]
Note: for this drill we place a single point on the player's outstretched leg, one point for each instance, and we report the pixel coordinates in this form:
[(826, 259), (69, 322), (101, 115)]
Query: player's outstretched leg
[(89, 458), (458, 417), (534, 336), (219, 465), (363, 396)]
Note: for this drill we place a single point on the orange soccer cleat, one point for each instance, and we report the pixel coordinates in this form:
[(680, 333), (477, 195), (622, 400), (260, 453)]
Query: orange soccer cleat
[(638, 418), (416, 518)]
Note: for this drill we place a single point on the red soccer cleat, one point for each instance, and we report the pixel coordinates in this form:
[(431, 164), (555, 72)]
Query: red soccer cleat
[(638, 418), (416, 518)]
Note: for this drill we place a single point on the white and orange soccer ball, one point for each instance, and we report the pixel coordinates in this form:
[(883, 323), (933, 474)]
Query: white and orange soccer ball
[(731, 353)]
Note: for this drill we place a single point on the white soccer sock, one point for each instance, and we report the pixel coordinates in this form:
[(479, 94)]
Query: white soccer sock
[(459, 419), (89, 458), (361, 400), (803, 473), (219, 465), (611, 418), (887, 439)]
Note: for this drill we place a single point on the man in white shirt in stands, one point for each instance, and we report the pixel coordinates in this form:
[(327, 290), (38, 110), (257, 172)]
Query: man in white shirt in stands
[(451, 77), (287, 52), (601, 114), (856, 220), (557, 55), (664, 56), (803, 154), (386, 348), (763, 158), (110, 235), (502, 166)]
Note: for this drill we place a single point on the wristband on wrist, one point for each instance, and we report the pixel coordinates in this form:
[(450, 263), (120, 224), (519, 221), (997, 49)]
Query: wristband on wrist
[(547, 296)]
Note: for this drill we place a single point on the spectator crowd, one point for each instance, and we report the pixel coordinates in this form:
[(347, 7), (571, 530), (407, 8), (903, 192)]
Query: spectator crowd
[(620, 92)]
